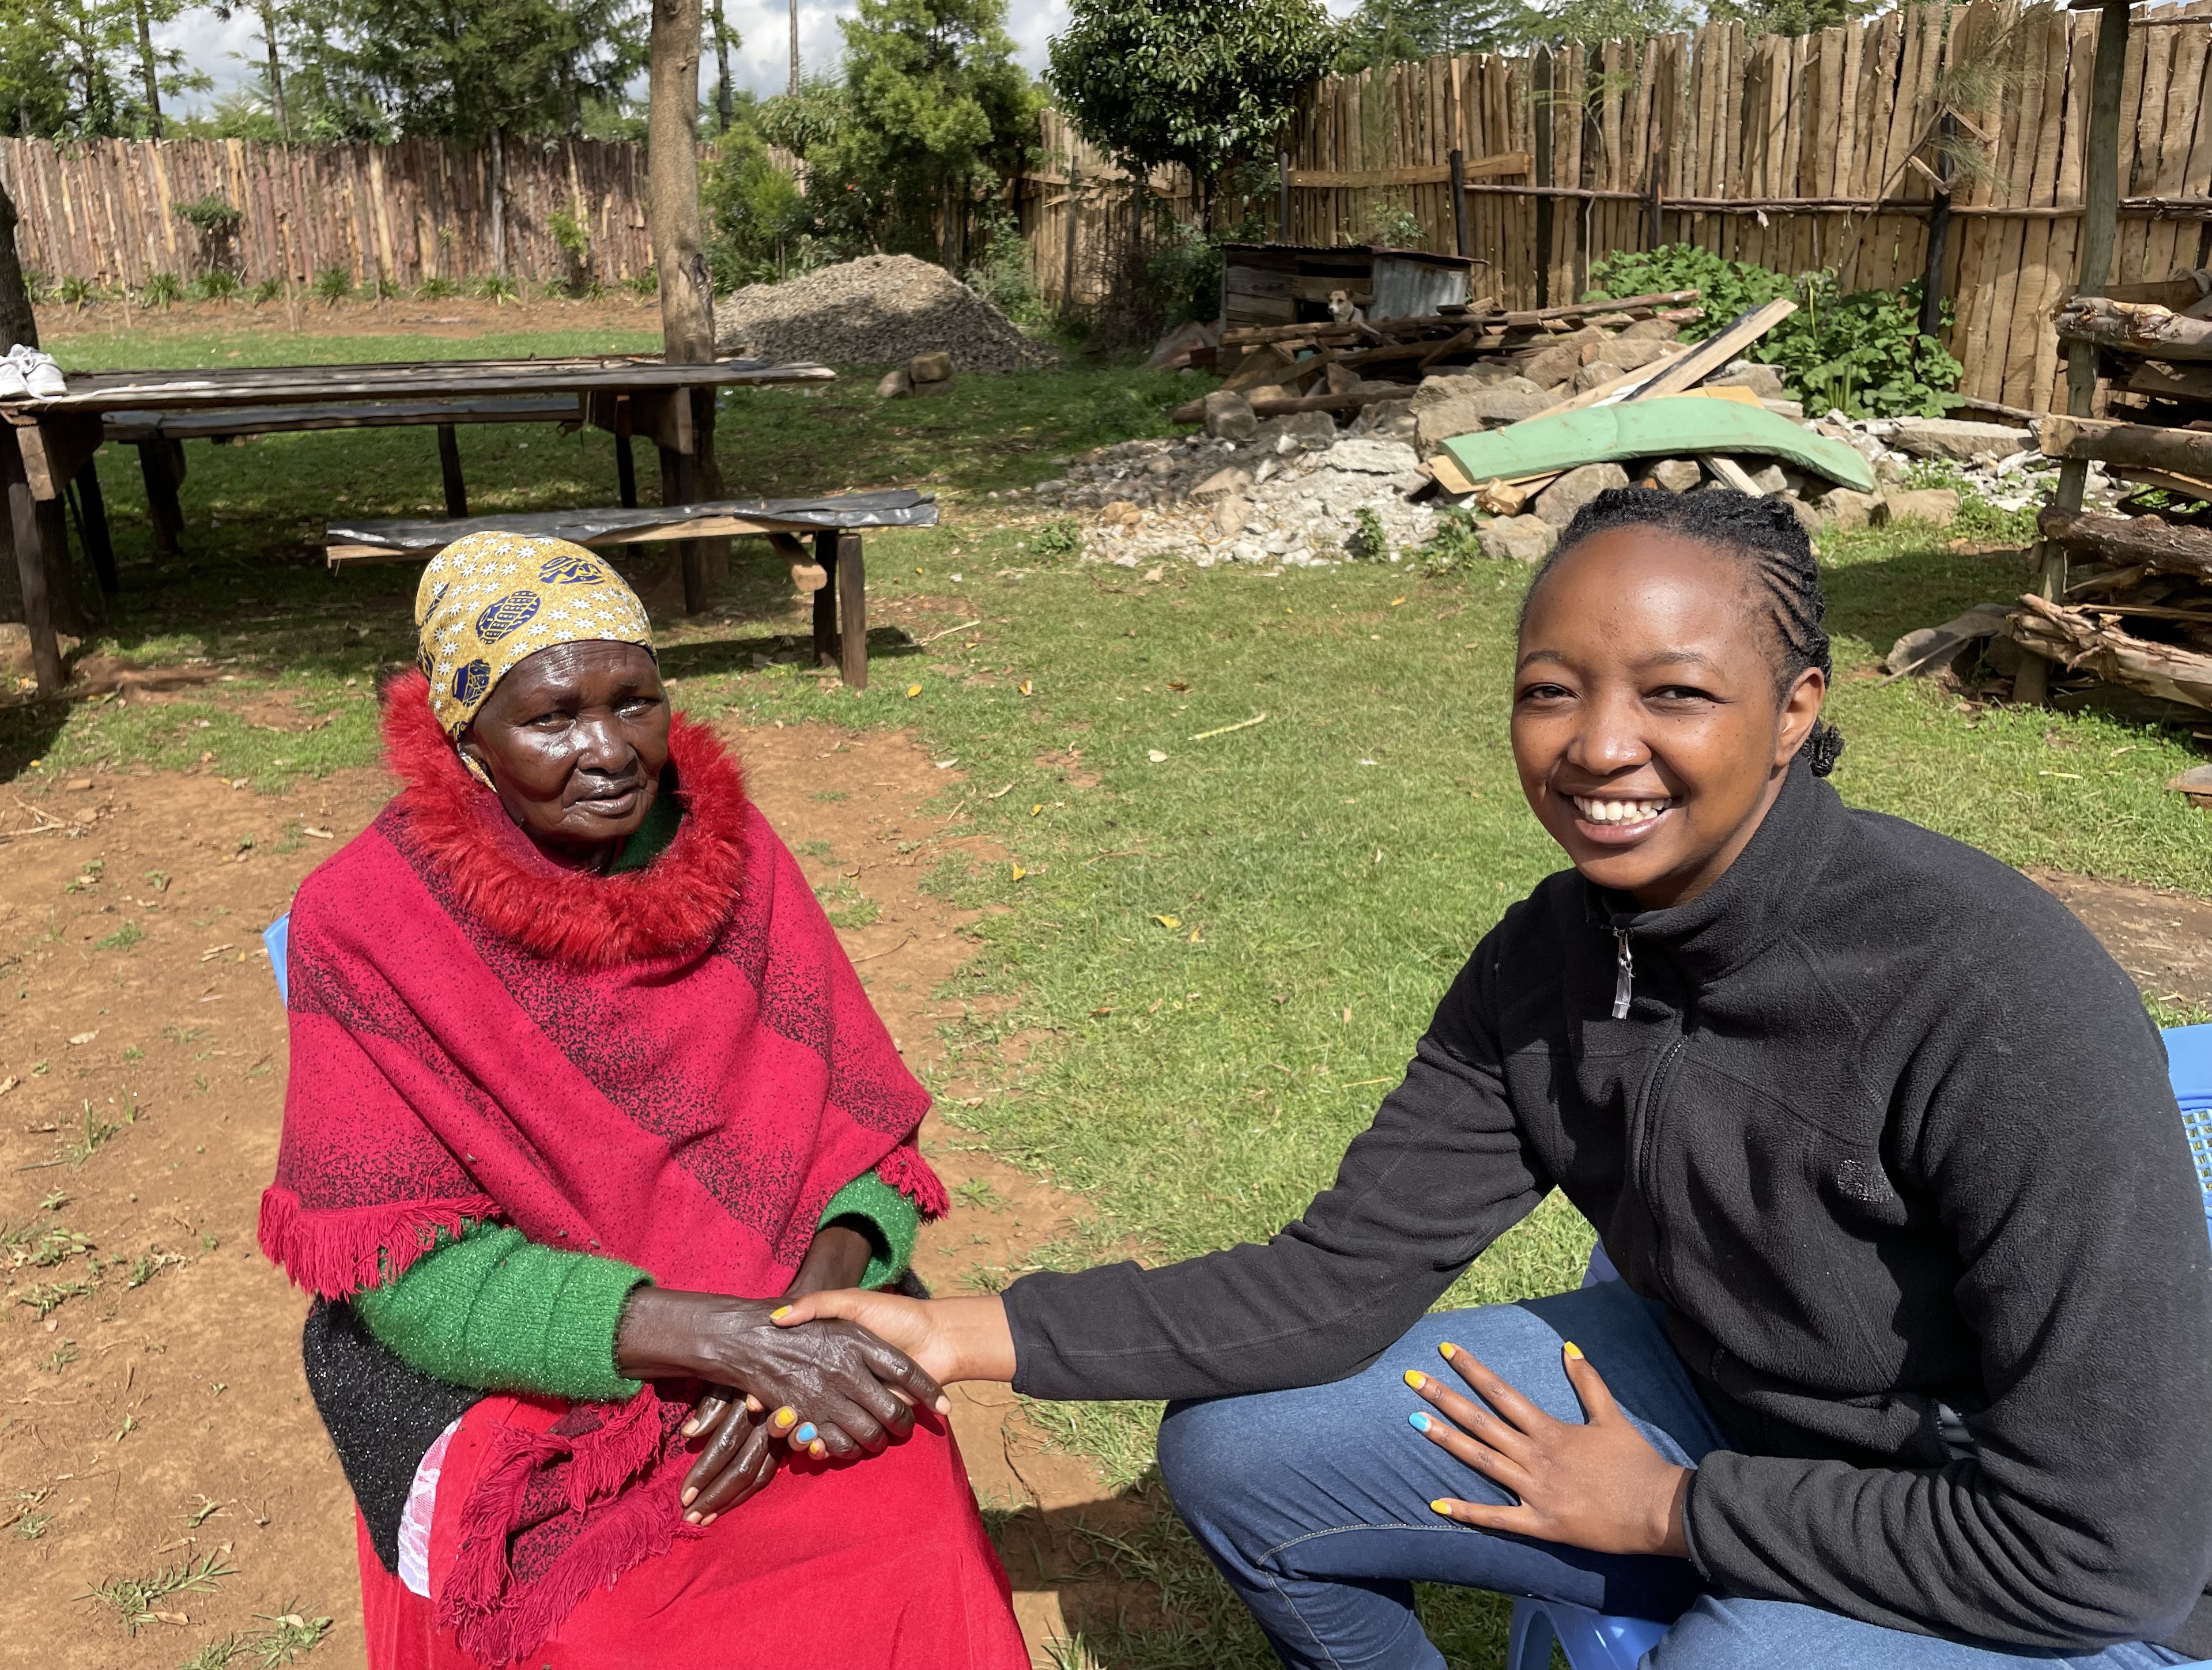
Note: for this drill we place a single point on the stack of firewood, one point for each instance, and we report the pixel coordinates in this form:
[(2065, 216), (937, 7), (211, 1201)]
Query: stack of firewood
[(2136, 611)]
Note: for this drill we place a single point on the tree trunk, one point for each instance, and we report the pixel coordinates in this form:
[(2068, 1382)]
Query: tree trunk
[(2127, 542), (17, 325), (722, 104), (276, 74), (2134, 328), (498, 205), (146, 69), (792, 87), (2142, 445)]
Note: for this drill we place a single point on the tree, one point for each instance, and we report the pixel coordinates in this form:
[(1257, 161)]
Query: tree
[(273, 69), (1790, 17), (1605, 20), (722, 104), (1199, 82), (1397, 31)]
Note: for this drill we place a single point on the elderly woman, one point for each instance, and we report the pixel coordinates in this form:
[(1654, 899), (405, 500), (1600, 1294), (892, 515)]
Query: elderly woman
[(583, 1088)]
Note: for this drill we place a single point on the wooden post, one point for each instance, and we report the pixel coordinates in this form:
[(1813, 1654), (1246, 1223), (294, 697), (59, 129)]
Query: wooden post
[(162, 507), (677, 486), (825, 601), (449, 465), (1283, 197), (1073, 202), (1459, 202), (1939, 238), (625, 472), (1540, 72), (92, 517), (31, 567), (851, 581), (2100, 206)]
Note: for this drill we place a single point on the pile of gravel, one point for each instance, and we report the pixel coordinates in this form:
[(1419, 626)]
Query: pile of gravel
[(879, 310)]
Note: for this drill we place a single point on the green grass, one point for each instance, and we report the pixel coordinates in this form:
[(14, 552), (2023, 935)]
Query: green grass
[(1326, 870)]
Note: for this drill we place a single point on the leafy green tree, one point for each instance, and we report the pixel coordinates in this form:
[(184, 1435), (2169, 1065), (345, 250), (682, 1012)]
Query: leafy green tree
[(1593, 21), (1790, 17), (87, 68), (1395, 31), (1199, 82), (756, 212)]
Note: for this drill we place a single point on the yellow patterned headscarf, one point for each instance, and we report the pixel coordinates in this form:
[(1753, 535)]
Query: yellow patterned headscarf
[(491, 600)]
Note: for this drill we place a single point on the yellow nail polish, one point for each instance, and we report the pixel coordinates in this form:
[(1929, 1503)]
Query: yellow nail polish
[(817, 1450), (777, 1316), (1445, 1351), (1416, 1379), (1440, 1506), (1574, 1351), (787, 1418)]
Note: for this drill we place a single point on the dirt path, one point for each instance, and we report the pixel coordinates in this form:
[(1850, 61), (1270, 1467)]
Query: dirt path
[(152, 1411)]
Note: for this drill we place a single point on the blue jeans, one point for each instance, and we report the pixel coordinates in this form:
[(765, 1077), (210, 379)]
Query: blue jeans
[(1314, 1504)]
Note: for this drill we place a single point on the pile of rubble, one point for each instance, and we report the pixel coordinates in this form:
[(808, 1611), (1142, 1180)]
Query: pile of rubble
[(879, 310)]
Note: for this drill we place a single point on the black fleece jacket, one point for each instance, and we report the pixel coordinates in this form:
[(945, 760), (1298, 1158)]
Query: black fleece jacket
[(1884, 1127)]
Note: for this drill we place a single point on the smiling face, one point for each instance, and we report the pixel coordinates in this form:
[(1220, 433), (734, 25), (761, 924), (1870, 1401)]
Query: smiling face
[(575, 738), (1647, 729)]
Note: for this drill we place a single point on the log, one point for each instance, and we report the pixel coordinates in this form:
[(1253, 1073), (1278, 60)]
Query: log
[(2079, 640), (2139, 445), (2130, 327), (2142, 542), (2171, 382)]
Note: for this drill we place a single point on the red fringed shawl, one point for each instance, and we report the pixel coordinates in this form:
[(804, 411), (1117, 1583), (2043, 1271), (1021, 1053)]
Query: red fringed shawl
[(676, 1066)]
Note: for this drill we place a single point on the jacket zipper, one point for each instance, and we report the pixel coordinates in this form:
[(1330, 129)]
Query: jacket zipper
[(1647, 1117), (1624, 982)]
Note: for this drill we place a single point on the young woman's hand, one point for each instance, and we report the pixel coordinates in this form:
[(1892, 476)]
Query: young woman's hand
[(1599, 1486), (950, 1338)]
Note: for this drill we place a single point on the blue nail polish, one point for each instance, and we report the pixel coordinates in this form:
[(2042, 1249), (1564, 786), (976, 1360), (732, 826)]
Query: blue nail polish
[(805, 1434), (1418, 1420)]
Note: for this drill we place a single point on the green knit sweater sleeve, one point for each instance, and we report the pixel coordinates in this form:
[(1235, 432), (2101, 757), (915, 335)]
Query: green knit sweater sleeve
[(494, 1310), (888, 1218)]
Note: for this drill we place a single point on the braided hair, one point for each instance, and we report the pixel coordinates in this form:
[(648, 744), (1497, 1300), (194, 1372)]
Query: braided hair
[(1763, 533)]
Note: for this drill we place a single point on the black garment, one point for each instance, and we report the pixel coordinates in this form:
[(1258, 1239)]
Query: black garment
[(1883, 1127)]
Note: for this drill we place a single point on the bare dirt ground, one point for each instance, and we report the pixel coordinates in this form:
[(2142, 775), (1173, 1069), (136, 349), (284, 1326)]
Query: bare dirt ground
[(152, 1411)]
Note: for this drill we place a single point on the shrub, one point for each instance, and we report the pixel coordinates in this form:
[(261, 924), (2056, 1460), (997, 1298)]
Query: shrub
[(73, 292), (385, 289), (1061, 536), (1860, 351), (645, 285), (37, 286), (437, 290), (218, 285), (162, 289), (497, 289), (1453, 546), (1002, 273), (269, 290), (1367, 543), (332, 284), (211, 216)]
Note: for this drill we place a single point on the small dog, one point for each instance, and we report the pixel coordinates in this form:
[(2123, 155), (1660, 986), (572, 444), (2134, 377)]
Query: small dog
[(1342, 310)]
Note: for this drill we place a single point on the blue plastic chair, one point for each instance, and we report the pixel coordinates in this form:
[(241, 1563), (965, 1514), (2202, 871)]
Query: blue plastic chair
[(277, 937), (1593, 1641)]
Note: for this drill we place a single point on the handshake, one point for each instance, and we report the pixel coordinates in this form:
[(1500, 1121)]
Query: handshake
[(831, 1376)]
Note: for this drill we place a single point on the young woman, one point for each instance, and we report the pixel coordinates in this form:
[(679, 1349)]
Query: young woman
[(1907, 1366)]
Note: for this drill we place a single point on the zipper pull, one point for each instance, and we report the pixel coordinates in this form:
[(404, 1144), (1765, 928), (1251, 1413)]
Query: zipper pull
[(1625, 980)]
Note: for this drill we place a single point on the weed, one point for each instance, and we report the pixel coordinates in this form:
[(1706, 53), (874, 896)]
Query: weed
[(985, 1279), (978, 1193), (95, 1134), (133, 1053), (1061, 536), (846, 906), (57, 1245), (55, 1199), (386, 290), (219, 284), (122, 938), (291, 1633), (207, 1510), (1369, 542), (24, 1503), (497, 289), (1453, 546), (134, 1597), (270, 289), (645, 285), (437, 290), (45, 1299), (76, 291), (164, 290), (60, 1358), (31, 1526), (157, 879), (332, 284), (142, 1267)]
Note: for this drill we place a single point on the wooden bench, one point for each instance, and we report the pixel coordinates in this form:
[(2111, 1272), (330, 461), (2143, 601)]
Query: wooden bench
[(159, 437), (834, 571)]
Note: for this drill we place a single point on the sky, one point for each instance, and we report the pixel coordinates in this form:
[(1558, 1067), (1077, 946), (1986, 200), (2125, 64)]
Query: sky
[(762, 61)]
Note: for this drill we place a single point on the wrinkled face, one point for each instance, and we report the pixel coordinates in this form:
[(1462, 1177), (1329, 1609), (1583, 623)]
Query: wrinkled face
[(1647, 729), (575, 738)]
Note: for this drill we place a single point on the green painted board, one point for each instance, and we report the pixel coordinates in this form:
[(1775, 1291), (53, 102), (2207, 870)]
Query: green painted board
[(1676, 426)]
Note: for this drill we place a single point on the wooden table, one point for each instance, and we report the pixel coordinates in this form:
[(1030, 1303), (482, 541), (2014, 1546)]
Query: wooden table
[(45, 444)]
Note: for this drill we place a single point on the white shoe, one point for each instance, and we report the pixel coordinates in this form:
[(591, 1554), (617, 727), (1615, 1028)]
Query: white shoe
[(42, 377), (12, 384)]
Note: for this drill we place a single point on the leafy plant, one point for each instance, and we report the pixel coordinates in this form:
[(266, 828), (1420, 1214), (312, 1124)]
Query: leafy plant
[(385, 289), (212, 215), (1860, 351), (216, 284), (134, 1597), (74, 292), (1061, 536), (162, 291), (333, 284), (569, 232), (497, 289), (1453, 546), (645, 285), (1392, 226), (1367, 543), (437, 290), (269, 290)]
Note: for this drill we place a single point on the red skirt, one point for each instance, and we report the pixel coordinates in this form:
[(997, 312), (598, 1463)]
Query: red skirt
[(880, 1563)]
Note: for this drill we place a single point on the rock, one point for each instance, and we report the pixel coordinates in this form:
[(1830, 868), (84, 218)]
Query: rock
[(1265, 364), (1307, 429), (1175, 349), (1229, 479), (1808, 517), (933, 366), (1485, 408), (1952, 438), (1939, 505), (1929, 649), (1391, 420), (1340, 379), (2196, 783), (1792, 409), (1516, 538), (1763, 381), (1557, 503), (1457, 385), (1372, 456), (1649, 329), (1676, 475), (894, 386), (1230, 513), (1120, 510), (1769, 478), (1596, 372), (1549, 367), (1634, 353), (1228, 415), (1842, 508)]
